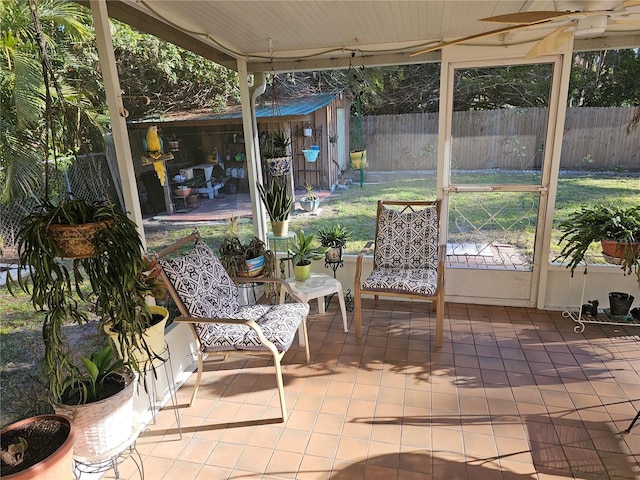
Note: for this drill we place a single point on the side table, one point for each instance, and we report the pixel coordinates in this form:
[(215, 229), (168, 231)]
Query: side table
[(311, 289)]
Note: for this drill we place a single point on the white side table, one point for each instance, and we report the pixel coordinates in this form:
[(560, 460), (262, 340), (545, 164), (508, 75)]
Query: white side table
[(306, 291)]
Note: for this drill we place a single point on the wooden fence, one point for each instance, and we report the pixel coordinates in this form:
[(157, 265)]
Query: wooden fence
[(594, 139)]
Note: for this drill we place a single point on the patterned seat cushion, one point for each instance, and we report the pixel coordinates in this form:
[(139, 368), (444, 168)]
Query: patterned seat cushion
[(207, 291), (421, 281), (278, 323)]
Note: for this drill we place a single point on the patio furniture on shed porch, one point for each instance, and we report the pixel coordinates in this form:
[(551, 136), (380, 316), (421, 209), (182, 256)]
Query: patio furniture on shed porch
[(408, 259), (208, 301)]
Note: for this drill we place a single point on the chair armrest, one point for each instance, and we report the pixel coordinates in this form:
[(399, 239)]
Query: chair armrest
[(359, 260), (232, 321), (279, 281)]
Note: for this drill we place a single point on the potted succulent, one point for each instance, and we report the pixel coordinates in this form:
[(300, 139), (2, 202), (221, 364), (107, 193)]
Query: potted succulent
[(278, 203), (335, 238), (310, 201), (302, 252), (38, 447), (616, 228), (275, 151), (113, 270)]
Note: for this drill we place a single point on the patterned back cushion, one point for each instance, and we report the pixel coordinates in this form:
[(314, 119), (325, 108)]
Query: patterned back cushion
[(202, 283), (407, 240)]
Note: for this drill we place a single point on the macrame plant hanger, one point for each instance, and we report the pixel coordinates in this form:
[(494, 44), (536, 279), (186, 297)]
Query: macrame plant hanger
[(357, 139), (276, 114)]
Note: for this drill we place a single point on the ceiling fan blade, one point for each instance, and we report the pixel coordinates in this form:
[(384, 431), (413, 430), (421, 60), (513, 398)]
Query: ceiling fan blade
[(625, 22), (440, 45), (630, 3), (528, 18), (551, 42)]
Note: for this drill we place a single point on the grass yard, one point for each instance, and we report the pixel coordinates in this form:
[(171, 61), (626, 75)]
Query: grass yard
[(22, 392)]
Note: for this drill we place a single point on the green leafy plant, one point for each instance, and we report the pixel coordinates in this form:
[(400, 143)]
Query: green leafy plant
[(116, 283), (302, 251), (89, 388), (597, 223), (275, 145), (276, 200), (334, 235), (311, 194)]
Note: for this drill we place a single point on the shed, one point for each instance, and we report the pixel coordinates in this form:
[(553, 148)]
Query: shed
[(217, 138)]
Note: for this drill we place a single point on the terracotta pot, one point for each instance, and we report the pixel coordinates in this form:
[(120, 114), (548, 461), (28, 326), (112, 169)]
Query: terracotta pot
[(58, 465), (613, 251)]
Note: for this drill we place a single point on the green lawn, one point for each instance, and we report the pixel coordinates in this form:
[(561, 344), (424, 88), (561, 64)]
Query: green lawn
[(356, 209)]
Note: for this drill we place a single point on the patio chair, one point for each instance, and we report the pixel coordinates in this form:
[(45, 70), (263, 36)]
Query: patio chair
[(208, 301), (408, 259)]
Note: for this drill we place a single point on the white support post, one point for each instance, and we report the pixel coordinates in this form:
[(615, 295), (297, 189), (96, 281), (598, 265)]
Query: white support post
[(117, 113), (254, 173)]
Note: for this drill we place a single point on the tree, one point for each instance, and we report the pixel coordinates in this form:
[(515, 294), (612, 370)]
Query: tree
[(171, 77), (23, 142)]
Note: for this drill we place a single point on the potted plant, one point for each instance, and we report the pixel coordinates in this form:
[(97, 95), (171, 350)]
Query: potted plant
[(275, 151), (38, 447), (310, 201), (616, 228), (100, 402), (335, 238), (154, 331), (242, 259), (112, 270), (278, 203), (302, 252)]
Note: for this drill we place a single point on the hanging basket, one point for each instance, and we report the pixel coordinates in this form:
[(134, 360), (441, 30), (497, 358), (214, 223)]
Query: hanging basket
[(76, 241), (279, 166), (311, 155)]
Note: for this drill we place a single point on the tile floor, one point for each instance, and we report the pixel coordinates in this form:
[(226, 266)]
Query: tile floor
[(513, 394)]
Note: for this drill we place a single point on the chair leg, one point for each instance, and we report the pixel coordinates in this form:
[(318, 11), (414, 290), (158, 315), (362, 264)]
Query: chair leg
[(357, 312), (305, 337), (633, 422), (198, 377), (439, 319), (283, 404)]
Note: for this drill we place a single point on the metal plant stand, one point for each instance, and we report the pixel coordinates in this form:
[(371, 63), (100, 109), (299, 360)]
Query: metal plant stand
[(348, 299)]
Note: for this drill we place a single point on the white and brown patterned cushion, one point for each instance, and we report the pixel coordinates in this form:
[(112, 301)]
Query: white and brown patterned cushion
[(407, 240), (406, 254), (207, 291)]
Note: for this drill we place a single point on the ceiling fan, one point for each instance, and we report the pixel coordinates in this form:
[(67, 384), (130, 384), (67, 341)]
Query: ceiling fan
[(580, 19)]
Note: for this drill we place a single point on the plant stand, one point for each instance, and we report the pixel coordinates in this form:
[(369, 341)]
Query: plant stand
[(348, 299), (112, 460), (600, 319), (163, 360)]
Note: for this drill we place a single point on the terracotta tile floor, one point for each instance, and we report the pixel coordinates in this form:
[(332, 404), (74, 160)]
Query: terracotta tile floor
[(513, 394)]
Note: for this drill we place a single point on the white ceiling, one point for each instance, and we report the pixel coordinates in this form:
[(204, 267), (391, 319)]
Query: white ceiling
[(317, 34)]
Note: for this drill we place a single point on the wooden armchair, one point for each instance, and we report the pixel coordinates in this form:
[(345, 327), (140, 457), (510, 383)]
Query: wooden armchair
[(208, 301), (408, 259)]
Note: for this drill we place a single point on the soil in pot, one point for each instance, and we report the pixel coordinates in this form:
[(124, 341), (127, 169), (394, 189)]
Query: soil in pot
[(44, 436)]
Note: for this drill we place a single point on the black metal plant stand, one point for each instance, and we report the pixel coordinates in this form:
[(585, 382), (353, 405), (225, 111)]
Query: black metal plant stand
[(348, 299)]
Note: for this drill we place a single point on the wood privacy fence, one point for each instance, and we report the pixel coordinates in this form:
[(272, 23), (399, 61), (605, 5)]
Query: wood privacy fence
[(594, 139)]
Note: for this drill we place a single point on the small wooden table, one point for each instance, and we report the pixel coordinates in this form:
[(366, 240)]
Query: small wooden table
[(318, 285)]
